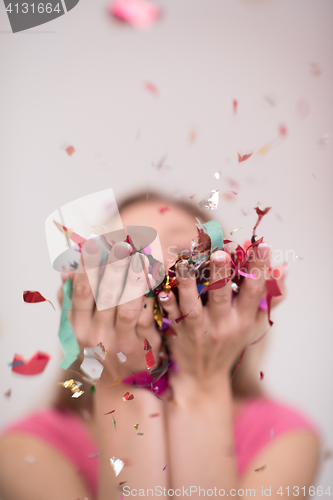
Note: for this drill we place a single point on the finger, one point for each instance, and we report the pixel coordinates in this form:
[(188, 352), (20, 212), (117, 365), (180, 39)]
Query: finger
[(131, 301), (219, 300), (252, 289), (112, 283), (279, 274), (188, 292), (83, 301), (168, 302)]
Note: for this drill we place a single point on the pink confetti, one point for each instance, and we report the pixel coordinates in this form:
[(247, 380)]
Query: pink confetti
[(138, 13), (70, 150), (163, 209), (234, 106), (246, 275), (283, 131), (151, 88)]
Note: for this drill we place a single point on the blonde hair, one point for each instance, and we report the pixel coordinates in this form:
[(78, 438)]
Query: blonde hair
[(245, 377)]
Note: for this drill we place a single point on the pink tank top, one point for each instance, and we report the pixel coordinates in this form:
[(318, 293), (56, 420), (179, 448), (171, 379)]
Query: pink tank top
[(260, 421)]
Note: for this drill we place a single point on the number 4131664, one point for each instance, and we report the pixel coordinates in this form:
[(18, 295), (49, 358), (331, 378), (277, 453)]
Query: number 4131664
[(39, 8), (304, 491)]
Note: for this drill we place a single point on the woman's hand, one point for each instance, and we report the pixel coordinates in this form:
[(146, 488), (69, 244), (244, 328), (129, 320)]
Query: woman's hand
[(210, 339), (122, 327)]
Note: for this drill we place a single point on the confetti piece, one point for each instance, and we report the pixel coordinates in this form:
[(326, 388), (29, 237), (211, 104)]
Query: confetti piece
[(232, 192), (217, 175), (94, 455), (264, 149), (91, 365), (139, 434), (116, 382), (70, 150), (109, 412), (30, 459), (150, 360), (136, 426), (262, 375), (117, 465), (128, 396), (234, 230), (211, 200), (153, 415), (8, 393), (73, 386), (283, 131), (66, 333), (165, 467), (234, 106), (246, 275), (298, 257), (151, 88), (272, 433), (122, 357), (163, 209), (32, 297), (192, 136), (114, 424), (138, 13), (244, 157), (235, 287), (260, 468), (35, 365)]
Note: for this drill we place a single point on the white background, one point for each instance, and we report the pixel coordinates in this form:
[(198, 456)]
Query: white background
[(79, 80)]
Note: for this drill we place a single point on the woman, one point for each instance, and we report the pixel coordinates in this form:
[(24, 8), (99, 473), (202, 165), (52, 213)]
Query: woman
[(205, 435)]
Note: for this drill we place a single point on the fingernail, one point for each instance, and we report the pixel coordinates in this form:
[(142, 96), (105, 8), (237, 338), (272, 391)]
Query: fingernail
[(136, 262), (91, 247), (263, 250), (182, 268), (164, 298), (122, 250), (220, 258)]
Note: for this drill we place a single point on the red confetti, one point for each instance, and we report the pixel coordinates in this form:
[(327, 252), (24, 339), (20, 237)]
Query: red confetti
[(128, 396), (234, 106), (70, 150), (239, 363), (151, 88), (150, 360), (146, 345), (272, 291), (262, 375), (244, 157), (32, 297), (260, 214), (108, 413), (35, 365), (152, 415), (163, 209)]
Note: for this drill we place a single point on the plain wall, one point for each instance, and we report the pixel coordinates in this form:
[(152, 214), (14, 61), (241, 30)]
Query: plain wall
[(79, 80)]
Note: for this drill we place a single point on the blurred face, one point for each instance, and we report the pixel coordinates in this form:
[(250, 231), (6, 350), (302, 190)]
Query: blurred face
[(175, 227)]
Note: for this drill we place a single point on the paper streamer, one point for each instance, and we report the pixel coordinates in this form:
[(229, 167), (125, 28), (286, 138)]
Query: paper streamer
[(213, 229), (66, 333)]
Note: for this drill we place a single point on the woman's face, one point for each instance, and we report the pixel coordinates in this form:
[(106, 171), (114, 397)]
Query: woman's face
[(175, 227)]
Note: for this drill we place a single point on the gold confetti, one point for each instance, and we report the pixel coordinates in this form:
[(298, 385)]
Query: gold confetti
[(157, 315), (234, 230), (260, 468), (264, 149), (73, 386), (136, 426)]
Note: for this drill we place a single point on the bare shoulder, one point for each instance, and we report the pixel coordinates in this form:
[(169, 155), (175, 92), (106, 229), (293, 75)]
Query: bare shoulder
[(290, 460), (31, 469)]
